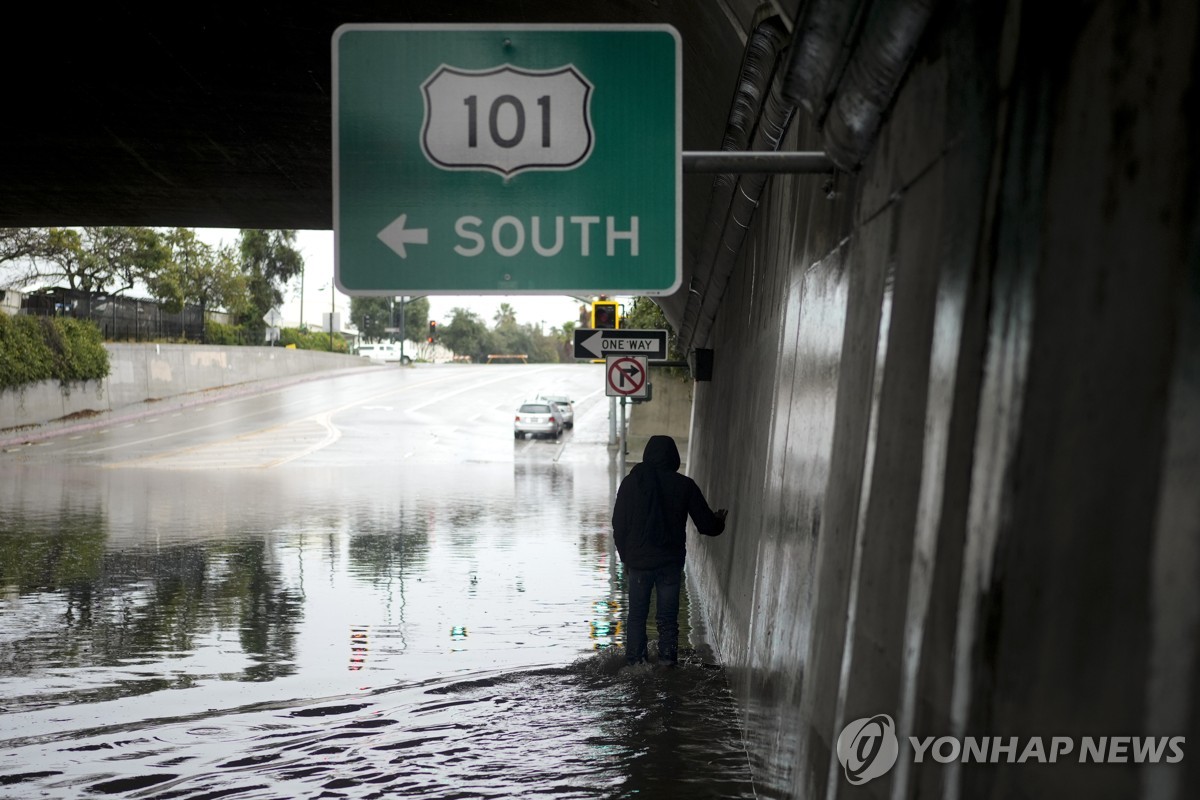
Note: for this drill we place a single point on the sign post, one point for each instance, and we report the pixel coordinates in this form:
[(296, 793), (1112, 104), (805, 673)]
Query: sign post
[(507, 159)]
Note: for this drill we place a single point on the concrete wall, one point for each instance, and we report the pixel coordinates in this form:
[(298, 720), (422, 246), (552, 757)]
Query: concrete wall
[(669, 412), (963, 476), (141, 372)]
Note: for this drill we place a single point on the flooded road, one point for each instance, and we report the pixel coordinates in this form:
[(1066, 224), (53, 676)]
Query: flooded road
[(360, 586)]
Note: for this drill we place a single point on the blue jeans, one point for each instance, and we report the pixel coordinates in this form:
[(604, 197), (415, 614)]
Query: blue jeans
[(665, 582)]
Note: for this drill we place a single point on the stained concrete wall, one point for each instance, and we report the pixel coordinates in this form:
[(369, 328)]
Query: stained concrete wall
[(668, 412), (141, 372), (963, 476)]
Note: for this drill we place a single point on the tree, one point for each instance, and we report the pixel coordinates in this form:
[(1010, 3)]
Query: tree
[(168, 286), (509, 338), (543, 349), (18, 246), (64, 257), (88, 259), (371, 315), (197, 274), (124, 257), (416, 318), (645, 313), (466, 335), (268, 261), (564, 341), (506, 316), (384, 312), (217, 282)]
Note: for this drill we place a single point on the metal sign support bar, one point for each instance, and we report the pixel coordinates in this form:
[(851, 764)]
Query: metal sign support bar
[(735, 161)]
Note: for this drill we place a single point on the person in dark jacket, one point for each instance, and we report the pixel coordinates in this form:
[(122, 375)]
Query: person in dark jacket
[(649, 527)]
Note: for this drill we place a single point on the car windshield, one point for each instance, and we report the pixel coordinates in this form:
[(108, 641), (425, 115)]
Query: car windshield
[(535, 408), (553, 398)]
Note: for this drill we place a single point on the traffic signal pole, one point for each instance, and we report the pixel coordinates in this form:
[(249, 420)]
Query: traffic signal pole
[(401, 326)]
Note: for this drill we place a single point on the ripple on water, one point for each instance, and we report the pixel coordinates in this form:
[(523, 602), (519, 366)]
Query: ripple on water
[(595, 728)]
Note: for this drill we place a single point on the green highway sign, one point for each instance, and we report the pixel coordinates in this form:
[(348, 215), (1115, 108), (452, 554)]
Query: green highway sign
[(507, 159)]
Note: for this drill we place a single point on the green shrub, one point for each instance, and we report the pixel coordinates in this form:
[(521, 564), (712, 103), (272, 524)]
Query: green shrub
[(24, 356), (36, 349), (85, 343), (305, 340), (219, 333)]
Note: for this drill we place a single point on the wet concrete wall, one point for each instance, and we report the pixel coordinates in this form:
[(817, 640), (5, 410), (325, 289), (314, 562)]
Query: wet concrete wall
[(669, 413), (963, 469)]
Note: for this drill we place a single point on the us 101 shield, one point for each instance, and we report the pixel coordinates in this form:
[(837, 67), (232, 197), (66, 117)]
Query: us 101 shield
[(507, 119)]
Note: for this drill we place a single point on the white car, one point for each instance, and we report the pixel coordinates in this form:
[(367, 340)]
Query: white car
[(565, 404), (538, 418)]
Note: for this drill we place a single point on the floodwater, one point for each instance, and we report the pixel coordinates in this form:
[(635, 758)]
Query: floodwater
[(374, 615)]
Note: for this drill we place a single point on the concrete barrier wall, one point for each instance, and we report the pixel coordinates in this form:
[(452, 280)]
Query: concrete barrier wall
[(963, 469), (141, 372), (669, 413)]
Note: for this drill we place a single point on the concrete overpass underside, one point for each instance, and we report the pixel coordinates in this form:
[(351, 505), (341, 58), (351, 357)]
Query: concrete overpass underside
[(955, 408)]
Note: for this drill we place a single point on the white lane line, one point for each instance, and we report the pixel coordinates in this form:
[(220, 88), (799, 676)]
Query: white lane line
[(332, 434)]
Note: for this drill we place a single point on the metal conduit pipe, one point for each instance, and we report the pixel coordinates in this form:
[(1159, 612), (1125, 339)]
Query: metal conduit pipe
[(889, 39), (759, 62), (820, 46), (772, 125), (846, 61)]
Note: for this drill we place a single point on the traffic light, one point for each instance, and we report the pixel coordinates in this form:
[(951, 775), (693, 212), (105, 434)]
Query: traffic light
[(432, 331), (606, 314)]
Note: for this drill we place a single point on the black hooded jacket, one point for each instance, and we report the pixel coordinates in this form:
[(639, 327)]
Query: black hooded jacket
[(653, 504)]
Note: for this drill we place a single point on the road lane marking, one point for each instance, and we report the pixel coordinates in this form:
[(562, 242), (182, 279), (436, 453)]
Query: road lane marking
[(264, 447), (332, 434)]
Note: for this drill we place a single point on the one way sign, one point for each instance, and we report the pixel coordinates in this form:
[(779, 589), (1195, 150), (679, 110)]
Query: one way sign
[(602, 343)]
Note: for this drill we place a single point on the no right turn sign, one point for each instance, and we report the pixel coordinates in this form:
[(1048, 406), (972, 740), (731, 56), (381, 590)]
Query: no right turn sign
[(626, 376)]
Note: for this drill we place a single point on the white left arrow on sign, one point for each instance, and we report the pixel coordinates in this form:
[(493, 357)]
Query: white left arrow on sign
[(594, 344), (396, 236)]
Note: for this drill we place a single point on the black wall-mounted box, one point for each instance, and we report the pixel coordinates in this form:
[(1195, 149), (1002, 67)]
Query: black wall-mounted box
[(702, 364)]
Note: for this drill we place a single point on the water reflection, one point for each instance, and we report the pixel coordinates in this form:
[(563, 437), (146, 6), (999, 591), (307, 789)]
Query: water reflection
[(446, 630)]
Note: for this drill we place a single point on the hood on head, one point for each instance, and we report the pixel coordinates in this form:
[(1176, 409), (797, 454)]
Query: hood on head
[(661, 453)]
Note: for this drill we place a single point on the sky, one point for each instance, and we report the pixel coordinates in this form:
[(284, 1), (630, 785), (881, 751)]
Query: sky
[(316, 247)]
